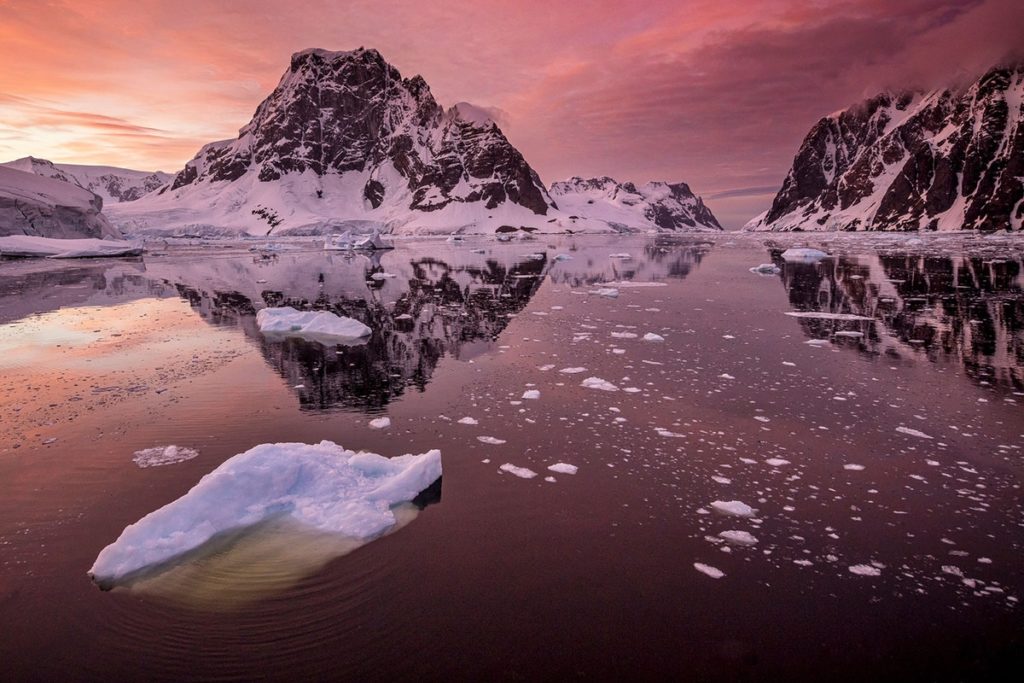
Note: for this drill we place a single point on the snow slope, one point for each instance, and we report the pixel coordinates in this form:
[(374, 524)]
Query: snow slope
[(654, 206), (114, 185), (44, 207)]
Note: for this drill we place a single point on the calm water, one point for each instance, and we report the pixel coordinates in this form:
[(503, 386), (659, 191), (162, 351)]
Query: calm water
[(884, 432)]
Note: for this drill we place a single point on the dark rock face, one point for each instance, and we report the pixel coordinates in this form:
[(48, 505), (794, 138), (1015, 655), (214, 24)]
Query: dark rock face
[(946, 160), (666, 206), (335, 112)]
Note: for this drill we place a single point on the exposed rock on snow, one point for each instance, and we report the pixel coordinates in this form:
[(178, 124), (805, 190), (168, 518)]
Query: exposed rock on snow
[(314, 325), (43, 207), (323, 485), (654, 206), (945, 160), (112, 184)]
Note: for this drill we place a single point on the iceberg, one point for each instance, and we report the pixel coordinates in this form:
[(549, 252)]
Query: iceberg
[(803, 255), (314, 325), (28, 246), (321, 486), (342, 242), (371, 242)]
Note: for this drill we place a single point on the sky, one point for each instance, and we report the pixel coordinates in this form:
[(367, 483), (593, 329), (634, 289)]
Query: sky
[(715, 93)]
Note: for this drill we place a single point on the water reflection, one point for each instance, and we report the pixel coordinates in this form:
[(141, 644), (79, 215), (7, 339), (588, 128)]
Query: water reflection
[(955, 309)]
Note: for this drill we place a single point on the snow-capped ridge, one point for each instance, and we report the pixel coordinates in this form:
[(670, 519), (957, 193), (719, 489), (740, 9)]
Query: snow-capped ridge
[(656, 205)]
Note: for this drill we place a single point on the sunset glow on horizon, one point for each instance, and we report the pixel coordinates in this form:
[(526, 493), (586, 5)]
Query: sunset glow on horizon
[(710, 92)]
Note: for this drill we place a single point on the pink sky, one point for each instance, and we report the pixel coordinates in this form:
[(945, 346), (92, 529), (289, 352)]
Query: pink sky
[(717, 93)]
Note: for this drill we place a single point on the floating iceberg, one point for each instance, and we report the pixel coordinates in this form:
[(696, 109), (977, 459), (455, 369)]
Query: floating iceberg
[(342, 242), (765, 269), (315, 325), (803, 255), (322, 486), (372, 242), (28, 246), (598, 383), (163, 455)]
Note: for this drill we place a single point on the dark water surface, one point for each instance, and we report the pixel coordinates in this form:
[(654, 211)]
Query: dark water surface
[(886, 437)]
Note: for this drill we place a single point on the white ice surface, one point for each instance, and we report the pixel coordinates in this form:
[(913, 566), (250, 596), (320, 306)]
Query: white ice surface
[(40, 247), (316, 325), (322, 485)]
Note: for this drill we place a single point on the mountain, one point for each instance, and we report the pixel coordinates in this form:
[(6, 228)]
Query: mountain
[(113, 184), (654, 206), (344, 137), (951, 159), (45, 207)]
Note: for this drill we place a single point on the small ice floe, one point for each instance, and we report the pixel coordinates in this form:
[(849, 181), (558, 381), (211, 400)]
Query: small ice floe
[(562, 257), (912, 432), (732, 508), (382, 276), (47, 247), (726, 375), (853, 467), (651, 337), (622, 256), (668, 434), (598, 383), (163, 455), (490, 440), (824, 315), (864, 570), (721, 480), (776, 462), (803, 255), (707, 569), (324, 486), (521, 472), (314, 325), (633, 284), (563, 468), (572, 371), (817, 342), (468, 421), (531, 394), (606, 292), (738, 537), (545, 368), (624, 335), (765, 269), (848, 333), (380, 423)]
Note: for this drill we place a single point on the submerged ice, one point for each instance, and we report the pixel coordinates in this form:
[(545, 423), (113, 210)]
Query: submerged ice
[(323, 486)]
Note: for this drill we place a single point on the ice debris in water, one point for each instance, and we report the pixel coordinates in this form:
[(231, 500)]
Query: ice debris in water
[(733, 508), (865, 570), (380, 423), (823, 315), (738, 537), (315, 325), (490, 440), (521, 472), (572, 371), (713, 572), (765, 269), (598, 383), (163, 455), (606, 292), (803, 255), (563, 468), (531, 394), (651, 337), (912, 432), (853, 467), (322, 485), (468, 421)]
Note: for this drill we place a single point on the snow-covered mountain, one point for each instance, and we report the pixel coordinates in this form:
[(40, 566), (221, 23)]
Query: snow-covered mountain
[(36, 205), (654, 206), (952, 159), (343, 137), (113, 184)]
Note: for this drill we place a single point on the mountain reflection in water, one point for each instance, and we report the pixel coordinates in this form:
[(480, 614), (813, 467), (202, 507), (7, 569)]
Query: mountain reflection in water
[(956, 309)]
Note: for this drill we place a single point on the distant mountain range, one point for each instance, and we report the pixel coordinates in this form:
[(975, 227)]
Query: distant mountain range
[(951, 159), (345, 142)]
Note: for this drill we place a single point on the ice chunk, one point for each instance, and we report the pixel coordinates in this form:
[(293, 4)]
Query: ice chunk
[(709, 570), (598, 383), (572, 371), (521, 472), (733, 508), (606, 292), (563, 468), (765, 269), (776, 462), (853, 467), (380, 423), (865, 570), (823, 315), (314, 325), (651, 337), (468, 421), (738, 537), (322, 485), (490, 440), (162, 455), (912, 432), (803, 255), (531, 394)]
